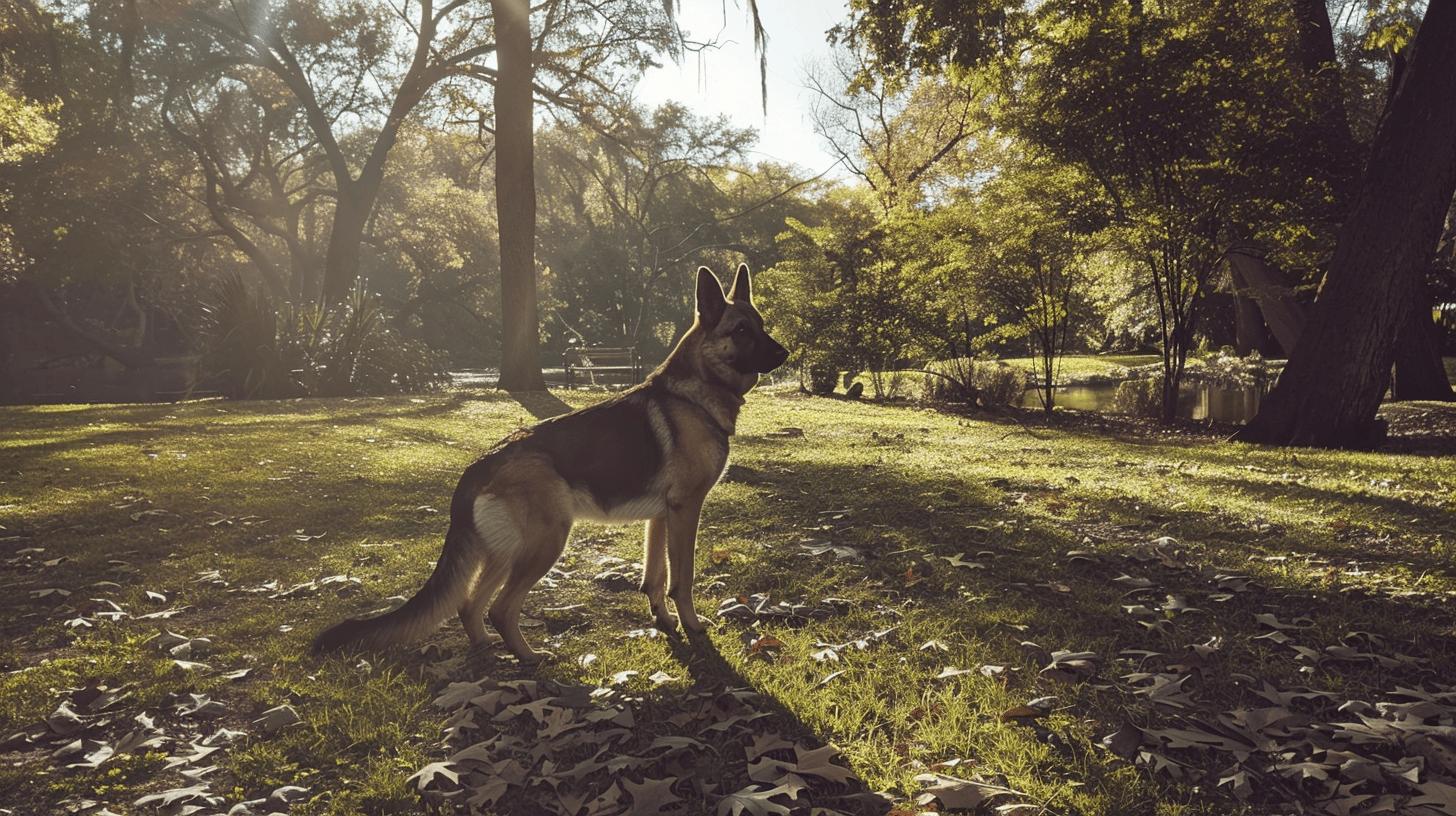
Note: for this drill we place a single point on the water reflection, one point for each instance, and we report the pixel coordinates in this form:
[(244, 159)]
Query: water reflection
[(1196, 401)]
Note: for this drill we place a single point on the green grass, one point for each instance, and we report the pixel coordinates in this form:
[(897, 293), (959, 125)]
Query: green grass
[(247, 487), (1075, 368)]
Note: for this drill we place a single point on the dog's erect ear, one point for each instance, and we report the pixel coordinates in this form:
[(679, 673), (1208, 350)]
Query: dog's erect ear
[(711, 302), (739, 291)]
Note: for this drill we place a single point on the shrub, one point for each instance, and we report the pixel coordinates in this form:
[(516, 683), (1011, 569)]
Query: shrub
[(241, 357), (1001, 384), (254, 351), (1140, 397), (987, 383), (823, 375), (950, 380), (1226, 369)]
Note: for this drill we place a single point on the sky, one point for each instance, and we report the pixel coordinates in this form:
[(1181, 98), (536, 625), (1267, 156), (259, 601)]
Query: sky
[(726, 80)]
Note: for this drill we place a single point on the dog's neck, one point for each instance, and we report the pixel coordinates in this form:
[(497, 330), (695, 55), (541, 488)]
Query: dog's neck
[(685, 375)]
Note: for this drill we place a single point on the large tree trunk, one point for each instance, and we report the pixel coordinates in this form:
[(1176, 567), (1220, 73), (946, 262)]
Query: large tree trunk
[(1316, 53), (1248, 326), (1255, 279), (515, 198), (346, 237), (1331, 389), (1419, 372)]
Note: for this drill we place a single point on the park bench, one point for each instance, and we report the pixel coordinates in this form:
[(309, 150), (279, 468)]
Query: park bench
[(619, 363)]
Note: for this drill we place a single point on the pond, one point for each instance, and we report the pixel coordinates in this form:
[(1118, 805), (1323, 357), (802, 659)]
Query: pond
[(1196, 401)]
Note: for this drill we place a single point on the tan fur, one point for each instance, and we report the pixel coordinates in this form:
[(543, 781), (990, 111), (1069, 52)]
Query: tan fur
[(514, 508)]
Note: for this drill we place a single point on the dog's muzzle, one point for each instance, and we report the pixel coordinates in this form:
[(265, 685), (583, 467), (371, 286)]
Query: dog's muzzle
[(771, 358)]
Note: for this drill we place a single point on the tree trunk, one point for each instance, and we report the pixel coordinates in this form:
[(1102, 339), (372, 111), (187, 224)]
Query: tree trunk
[(1316, 47), (1254, 278), (1419, 371), (1331, 389), (1248, 326), (515, 198), (346, 237)]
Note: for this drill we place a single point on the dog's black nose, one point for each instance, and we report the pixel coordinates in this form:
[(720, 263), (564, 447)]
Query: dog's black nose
[(775, 357)]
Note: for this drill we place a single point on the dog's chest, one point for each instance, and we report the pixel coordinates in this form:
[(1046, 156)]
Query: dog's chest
[(650, 504)]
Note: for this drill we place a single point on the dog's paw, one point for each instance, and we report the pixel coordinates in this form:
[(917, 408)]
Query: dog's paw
[(664, 621), (693, 624), (535, 658)]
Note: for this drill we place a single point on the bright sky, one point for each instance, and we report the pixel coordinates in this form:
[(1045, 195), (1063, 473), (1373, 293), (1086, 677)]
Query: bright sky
[(725, 80)]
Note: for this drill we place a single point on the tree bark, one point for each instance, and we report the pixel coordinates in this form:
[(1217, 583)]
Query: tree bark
[(1255, 279), (515, 198), (1419, 371), (1316, 45), (1337, 374), (346, 239), (1248, 326)]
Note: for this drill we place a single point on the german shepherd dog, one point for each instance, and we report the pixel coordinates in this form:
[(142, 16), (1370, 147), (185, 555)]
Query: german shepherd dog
[(650, 454)]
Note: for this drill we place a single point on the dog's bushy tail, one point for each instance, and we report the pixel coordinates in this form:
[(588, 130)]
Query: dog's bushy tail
[(441, 596)]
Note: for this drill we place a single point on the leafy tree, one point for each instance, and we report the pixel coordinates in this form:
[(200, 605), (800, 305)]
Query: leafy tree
[(1339, 370), (902, 135), (642, 199), (1026, 237)]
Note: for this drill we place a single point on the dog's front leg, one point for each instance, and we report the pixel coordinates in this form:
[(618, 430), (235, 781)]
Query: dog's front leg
[(682, 536), (654, 572)]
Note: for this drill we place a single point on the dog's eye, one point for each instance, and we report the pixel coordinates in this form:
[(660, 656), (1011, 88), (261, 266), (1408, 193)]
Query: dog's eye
[(741, 329)]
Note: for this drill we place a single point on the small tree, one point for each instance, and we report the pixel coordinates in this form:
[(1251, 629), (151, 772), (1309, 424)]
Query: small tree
[(1015, 255)]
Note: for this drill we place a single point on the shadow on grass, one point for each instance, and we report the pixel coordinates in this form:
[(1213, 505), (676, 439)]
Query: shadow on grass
[(541, 404)]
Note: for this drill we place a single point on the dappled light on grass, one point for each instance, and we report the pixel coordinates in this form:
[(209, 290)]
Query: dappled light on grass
[(965, 609)]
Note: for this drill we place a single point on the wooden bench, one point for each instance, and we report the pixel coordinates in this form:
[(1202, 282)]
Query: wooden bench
[(621, 363)]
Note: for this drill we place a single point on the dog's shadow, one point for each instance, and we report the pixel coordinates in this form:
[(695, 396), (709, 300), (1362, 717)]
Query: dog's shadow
[(725, 720)]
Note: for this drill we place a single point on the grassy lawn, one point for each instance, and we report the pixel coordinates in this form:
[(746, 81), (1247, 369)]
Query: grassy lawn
[(923, 559), (1080, 367)]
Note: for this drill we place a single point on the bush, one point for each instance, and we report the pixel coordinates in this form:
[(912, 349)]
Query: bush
[(987, 383), (1226, 369), (1001, 384), (254, 351), (823, 376), (241, 355), (1140, 397)]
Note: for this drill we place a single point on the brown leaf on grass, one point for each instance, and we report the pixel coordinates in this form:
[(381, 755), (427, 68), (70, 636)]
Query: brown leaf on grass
[(1021, 712), (64, 721), (651, 795), (763, 646), (816, 762), (830, 677), (1124, 741), (168, 799), (954, 793), (1272, 621), (761, 744), (434, 775), (277, 718), (1071, 667), (959, 560), (754, 800)]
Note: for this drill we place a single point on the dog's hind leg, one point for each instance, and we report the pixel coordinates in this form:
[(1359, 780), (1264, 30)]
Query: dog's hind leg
[(540, 549), (654, 571), (472, 612)]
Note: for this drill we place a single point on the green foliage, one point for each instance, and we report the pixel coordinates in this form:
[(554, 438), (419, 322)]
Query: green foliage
[(256, 350), (26, 128), (989, 383), (1141, 397), (243, 358)]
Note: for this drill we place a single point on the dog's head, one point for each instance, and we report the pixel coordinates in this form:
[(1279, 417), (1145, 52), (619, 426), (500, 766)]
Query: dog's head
[(734, 344)]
